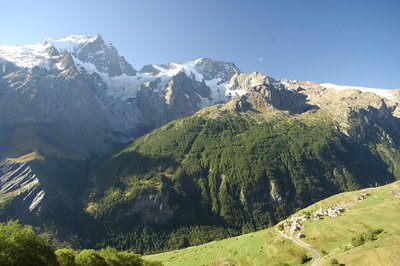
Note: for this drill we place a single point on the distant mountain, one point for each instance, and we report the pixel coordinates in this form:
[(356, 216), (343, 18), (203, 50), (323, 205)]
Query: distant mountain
[(242, 150), (81, 86)]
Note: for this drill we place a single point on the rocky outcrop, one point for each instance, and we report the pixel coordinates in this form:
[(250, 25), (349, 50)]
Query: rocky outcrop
[(105, 57), (263, 92), (42, 192), (149, 69), (216, 69), (184, 95), (17, 179), (150, 209)]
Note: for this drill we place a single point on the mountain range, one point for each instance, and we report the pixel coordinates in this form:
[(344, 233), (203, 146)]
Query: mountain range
[(150, 159)]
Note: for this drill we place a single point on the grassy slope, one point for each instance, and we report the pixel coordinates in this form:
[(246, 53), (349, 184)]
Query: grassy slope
[(26, 158), (266, 247), (380, 210)]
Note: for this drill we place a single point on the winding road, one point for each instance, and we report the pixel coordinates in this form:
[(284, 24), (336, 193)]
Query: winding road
[(317, 256)]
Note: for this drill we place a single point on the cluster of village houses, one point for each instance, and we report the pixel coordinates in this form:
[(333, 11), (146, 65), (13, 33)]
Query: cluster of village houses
[(294, 225)]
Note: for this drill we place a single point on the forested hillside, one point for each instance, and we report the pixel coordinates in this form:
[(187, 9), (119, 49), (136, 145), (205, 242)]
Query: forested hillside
[(235, 173)]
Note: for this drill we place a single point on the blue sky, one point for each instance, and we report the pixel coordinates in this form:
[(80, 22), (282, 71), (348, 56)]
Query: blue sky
[(345, 42)]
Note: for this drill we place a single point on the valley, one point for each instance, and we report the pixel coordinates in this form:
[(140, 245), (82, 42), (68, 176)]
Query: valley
[(95, 153)]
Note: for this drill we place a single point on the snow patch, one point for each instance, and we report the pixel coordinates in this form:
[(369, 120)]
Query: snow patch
[(238, 93), (218, 90), (123, 86), (32, 55), (17, 178), (189, 68), (70, 43), (286, 82), (277, 85), (388, 94), (27, 56), (198, 60), (36, 200)]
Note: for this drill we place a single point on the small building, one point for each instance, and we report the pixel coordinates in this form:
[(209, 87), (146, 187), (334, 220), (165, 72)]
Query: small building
[(297, 227), (300, 235), (317, 216)]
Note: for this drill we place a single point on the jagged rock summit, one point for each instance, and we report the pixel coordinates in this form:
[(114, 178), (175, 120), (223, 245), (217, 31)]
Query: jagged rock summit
[(81, 85)]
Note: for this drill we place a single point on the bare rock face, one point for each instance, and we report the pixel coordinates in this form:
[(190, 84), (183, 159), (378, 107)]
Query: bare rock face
[(275, 195), (28, 193), (7, 68), (216, 69), (105, 57), (19, 178), (263, 92), (183, 95), (151, 209), (149, 69), (66, 63), (345, 105)]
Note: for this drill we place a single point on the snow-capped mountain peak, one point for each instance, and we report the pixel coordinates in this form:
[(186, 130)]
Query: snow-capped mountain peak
[(92, 55), (87, 49), (201, 69), (70, 43), (37, 54), (26, 56), (89, 85)]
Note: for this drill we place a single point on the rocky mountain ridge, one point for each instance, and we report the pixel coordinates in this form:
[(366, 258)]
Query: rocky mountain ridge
[(83, 83)]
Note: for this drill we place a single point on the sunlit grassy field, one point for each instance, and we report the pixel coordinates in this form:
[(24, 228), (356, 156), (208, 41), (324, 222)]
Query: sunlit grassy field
[(380, 210), (264, 247), (332, 237)]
